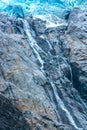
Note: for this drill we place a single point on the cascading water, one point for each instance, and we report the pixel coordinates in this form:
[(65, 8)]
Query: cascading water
[(50, 11), (59, 103), (33, 44), (62, 106)]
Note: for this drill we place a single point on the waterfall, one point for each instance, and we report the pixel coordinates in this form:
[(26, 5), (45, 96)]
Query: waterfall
[(36, 49), (54, 94), (62, 106)]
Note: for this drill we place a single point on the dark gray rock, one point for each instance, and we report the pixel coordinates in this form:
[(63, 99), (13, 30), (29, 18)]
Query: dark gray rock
[(11, 117), (39, 69), (75, 48)]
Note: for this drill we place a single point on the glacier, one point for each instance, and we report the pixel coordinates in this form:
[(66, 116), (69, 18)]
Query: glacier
[(22, 8)]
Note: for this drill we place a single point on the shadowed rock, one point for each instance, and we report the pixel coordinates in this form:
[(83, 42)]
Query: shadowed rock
[(10, 116)]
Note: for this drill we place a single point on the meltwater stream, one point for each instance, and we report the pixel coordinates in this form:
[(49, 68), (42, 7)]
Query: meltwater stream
[(62, 106), (36, 50), (33, 44), (50, 11)]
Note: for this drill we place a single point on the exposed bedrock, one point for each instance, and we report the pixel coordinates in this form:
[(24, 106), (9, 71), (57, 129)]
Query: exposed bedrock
[(10, 117), (43, 72), (75, 48)]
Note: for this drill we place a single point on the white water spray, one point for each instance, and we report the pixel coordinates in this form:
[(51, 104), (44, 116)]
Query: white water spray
[(62, 106), (33, 43)]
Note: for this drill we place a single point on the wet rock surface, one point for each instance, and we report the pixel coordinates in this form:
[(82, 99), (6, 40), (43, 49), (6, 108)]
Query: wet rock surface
[(43, 71)]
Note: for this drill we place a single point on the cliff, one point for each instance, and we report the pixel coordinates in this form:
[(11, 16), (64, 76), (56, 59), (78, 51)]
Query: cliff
[(43, 73)]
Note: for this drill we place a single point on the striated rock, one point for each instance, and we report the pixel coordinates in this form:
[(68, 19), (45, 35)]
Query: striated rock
[(43, 72), (75, 48)]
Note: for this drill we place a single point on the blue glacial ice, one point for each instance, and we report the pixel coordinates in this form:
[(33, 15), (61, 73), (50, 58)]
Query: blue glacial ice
[(21, 8)]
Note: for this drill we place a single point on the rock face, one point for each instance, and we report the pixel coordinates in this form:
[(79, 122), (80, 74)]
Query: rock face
[(43, 73), (10, 117), (76, 47)]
